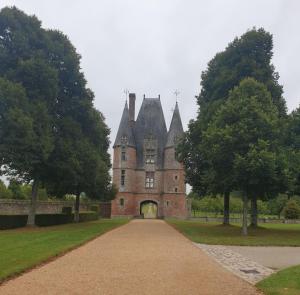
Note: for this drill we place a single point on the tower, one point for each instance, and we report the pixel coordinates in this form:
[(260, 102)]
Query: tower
[(145, 168)]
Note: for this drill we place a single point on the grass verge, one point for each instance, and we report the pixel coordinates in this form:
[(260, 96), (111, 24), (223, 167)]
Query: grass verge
[(22, 249), (284, 282), (218, 234)]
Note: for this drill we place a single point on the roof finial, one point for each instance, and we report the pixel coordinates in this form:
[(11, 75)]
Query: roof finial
[(176, 92), (126, 92)]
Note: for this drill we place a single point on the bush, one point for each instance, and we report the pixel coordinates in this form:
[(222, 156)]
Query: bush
[(291, 210), (53, 219), (66, 210), (95, 208), (12, 221), (88, 216)]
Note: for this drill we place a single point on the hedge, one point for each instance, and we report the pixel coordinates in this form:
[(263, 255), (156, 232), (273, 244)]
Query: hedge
[(95, 208), (88, 216), (66, 210), (12, 221), (53, 219)]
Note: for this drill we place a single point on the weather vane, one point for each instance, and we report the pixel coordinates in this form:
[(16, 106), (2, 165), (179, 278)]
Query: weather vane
[(126, 93), (176, 92)]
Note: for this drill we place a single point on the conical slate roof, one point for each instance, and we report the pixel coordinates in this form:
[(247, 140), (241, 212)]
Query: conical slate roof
[(150, 123), (176, 129), (125, 130)]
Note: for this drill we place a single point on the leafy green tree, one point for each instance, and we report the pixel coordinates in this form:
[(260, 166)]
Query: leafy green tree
[(5, 193), (276, 205), (16, 189), (291, 210), (247, 56), (292, 151), (241, 142), (51, 134)]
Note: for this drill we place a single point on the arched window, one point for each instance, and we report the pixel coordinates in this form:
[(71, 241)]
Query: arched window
[(122, 202)]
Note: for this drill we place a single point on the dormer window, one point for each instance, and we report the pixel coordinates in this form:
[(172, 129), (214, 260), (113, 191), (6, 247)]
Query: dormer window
[(150, 156), (124, 140)]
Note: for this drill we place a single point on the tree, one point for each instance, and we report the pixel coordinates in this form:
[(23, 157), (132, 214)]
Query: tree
[(50, 125), (247, 56), (244, 132), (291, 210), (5, 193), (292, 151)]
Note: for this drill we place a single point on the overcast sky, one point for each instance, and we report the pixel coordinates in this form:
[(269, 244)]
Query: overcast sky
[(156, 46)]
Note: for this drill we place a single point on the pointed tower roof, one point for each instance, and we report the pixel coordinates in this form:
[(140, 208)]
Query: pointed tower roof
[(125, 130), (176, 129), (150, 122)]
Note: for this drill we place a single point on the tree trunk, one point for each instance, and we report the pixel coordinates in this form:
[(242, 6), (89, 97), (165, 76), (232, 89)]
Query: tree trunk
[(226, 208), (32, 207), (77, 203), (245, 215), (254, 211)]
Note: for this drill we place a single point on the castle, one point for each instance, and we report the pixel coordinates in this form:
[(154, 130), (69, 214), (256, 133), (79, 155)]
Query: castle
[(145, 168)]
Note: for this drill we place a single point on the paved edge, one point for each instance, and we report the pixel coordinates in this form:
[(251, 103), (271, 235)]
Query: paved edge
[(238, 264)]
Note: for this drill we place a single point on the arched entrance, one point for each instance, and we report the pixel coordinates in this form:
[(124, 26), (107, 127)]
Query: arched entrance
[(149, 209)]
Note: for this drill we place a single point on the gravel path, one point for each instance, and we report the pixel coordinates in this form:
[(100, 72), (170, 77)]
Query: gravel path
[(141, 257)]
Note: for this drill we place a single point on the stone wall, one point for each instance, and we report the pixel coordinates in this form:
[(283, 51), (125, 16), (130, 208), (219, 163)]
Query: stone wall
[(8, 206)]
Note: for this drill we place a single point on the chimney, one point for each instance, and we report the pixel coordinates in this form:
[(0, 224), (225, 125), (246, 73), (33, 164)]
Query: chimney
[(131, 106)]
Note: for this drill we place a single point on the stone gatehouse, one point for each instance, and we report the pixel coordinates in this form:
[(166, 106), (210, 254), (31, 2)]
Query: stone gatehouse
[(145, 168)]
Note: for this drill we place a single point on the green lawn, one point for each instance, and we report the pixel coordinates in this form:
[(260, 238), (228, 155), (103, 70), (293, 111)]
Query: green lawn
[(24, 248), (217, 234), (285, 282)]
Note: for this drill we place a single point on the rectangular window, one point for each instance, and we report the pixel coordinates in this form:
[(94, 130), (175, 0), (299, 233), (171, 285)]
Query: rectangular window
[(150, 156), (123, 154), (122, 177), (149, 179)]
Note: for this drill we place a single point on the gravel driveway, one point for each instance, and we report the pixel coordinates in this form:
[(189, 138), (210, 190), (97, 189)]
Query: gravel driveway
[(141, 257)]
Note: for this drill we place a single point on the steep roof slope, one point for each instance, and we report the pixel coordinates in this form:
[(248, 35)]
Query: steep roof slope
[(125, 129), (150, 123), (176, 129)]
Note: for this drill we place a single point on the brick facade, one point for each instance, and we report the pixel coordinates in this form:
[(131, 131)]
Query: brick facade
[(165, 183)]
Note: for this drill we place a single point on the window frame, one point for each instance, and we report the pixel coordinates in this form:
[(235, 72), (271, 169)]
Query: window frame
[(150, 154), (149, 180), (123, 154), (123, 174)]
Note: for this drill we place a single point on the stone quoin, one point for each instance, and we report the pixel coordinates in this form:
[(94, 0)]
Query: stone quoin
[(145, 168)]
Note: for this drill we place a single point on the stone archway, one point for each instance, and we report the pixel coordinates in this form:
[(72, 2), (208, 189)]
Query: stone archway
[(149, 209)]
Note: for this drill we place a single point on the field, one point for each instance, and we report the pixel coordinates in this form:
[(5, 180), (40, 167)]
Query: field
[(218, 234), (24, 248)]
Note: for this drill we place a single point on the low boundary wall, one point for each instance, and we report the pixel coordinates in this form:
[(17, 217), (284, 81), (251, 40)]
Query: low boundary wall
[(10, 206), (239, 220)]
